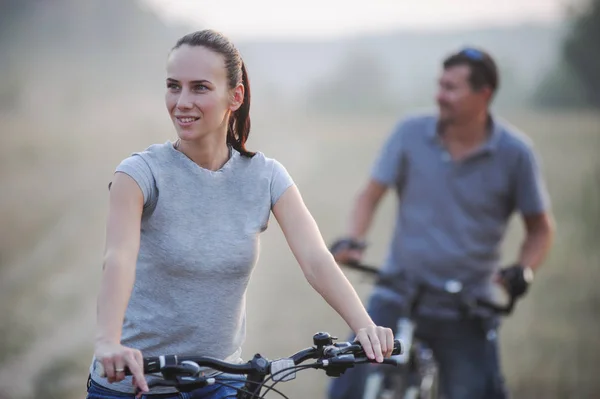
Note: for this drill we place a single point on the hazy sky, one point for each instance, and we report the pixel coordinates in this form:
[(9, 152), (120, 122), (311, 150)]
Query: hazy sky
[(327, 18)]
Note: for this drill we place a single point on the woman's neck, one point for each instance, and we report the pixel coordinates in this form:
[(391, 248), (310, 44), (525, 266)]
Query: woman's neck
[(208, 154)]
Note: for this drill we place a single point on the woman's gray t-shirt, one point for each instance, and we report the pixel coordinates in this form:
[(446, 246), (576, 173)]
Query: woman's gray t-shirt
[(199, 244)]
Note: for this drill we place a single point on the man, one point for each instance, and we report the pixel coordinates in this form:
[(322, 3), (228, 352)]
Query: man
[(459, 176)]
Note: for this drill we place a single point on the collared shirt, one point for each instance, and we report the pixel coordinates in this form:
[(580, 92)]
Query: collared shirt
[(453, 214)]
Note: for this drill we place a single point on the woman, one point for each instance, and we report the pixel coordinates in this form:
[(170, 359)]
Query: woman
[(183, 226)]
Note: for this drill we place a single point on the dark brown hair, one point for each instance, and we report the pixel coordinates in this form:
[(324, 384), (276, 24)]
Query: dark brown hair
[(484, 71), (238, 128)]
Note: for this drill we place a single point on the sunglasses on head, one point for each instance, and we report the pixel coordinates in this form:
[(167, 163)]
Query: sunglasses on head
[(472, 54)]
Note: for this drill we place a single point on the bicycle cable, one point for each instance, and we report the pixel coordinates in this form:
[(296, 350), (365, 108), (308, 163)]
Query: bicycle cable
[(291, 370), (238, 390)]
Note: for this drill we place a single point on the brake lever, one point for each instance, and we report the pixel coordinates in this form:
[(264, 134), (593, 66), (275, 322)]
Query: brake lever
[(390, 361), (183, 383), (185, 369), (162, 383), (356, 348), (337, 365), (189, 384), (338, 349)]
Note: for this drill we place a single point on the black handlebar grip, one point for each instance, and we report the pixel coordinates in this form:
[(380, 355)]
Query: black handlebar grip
[(151, 365), (398, 349)]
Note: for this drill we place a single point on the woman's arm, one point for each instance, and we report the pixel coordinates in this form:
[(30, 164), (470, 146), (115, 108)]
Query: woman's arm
[(118, 276), (325, 276)]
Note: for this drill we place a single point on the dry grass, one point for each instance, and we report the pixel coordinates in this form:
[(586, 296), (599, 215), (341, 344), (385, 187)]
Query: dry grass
[(549, 347), (53, 204)]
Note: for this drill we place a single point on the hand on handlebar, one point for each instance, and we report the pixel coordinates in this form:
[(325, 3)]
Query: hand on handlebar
[(516, 279), (377, 342), (115, 358), (347, 250)]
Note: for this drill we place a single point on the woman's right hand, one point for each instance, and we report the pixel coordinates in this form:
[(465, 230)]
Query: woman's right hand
[(114, 359)]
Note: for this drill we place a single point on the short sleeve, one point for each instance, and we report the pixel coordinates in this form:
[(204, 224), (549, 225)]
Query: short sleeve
[(531, 194), (138, 169), (387, 168), (280, 181)]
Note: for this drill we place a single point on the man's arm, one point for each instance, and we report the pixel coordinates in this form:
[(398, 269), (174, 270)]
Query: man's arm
[(386, 172), (533, 202), (538, 240), (364, 209), (350, 249)]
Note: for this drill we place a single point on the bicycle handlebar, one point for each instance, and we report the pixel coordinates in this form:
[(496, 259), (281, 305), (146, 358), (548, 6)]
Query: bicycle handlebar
[(184, 372), (453, 287)]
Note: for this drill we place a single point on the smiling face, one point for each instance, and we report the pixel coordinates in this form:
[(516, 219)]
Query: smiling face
[(199, 98)]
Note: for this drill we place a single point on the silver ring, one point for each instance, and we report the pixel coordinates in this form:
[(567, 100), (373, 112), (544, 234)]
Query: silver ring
[(119, 370)]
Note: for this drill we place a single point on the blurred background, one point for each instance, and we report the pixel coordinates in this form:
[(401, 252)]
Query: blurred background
[(81, 87)]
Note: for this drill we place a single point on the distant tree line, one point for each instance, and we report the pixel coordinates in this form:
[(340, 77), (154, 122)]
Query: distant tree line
[(575, 79)]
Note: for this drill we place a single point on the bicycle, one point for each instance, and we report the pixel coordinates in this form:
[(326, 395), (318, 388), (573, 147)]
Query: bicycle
[(184, 372), (417, 374)]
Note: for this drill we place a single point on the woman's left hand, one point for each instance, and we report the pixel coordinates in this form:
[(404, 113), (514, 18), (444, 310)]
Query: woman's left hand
[(377, 342)]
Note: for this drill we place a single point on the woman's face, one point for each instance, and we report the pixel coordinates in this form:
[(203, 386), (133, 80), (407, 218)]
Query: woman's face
[(198, 96)]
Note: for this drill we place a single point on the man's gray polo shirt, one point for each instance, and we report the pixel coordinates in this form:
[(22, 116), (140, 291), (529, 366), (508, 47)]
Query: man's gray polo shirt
[(452, 215)]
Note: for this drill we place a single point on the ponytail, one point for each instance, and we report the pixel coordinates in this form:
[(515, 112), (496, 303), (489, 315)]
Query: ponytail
[(239, 123)]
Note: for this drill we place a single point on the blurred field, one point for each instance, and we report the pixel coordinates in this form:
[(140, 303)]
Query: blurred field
[(54, 170)]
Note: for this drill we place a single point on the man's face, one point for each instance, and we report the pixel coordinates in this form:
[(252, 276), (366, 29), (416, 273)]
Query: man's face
[(456, 99)]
